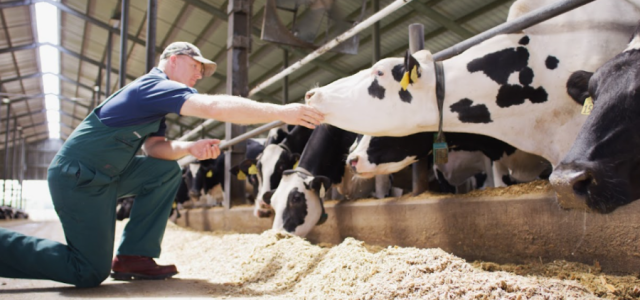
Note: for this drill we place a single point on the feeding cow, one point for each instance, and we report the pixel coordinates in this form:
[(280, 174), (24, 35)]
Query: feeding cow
[(470, 154), (275, 159), (298, 200), (211, 171), (510, 87), (601, 172)]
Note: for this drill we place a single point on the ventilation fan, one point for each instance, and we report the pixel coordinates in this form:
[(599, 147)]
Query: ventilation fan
[(321, 18)]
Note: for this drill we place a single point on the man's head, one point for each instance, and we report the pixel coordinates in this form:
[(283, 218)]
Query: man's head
[(182, 62)]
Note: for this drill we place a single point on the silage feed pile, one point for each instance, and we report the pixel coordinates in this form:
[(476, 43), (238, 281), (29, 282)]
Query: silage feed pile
[(275, 265)]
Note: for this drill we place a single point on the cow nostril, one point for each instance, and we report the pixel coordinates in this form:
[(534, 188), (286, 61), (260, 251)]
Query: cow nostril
[(581, 182), (353, 162)]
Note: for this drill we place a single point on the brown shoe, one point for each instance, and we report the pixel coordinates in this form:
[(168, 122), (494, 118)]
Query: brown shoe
[(127, 267)]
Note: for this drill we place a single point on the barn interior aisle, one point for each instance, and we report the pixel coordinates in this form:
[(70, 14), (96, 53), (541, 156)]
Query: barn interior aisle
[(275, 265)]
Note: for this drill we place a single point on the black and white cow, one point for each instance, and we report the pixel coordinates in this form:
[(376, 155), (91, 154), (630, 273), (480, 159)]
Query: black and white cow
[(510, 87), (601, 172), (298, 200), (211, 171), (469, 155), (275, 159)]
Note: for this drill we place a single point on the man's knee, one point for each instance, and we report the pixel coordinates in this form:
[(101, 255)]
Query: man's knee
[(88, 277)]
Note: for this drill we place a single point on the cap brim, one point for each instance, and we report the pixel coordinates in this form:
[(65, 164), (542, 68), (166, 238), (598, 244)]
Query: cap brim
[(209, 66)]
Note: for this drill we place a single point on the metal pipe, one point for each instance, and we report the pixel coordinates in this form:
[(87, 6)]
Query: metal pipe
[(285, 83), (13, 161), (328, 46), (6, 149), (22, 168), (527, 20), (124, 29), (108, 75), (152, 16), (226, 144), (331, 44)]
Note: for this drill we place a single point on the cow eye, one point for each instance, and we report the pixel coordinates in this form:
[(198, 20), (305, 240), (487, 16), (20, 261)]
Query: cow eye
[(380, 73)]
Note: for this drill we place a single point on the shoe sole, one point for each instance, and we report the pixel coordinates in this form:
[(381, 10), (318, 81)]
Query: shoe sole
[(134, 276)]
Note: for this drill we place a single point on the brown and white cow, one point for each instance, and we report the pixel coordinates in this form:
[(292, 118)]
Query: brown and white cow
[(510, 87)]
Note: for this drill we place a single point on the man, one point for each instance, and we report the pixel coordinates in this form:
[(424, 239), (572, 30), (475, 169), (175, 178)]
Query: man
[(97, 165)]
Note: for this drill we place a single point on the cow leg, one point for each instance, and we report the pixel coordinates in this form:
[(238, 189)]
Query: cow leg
[(155, 184)]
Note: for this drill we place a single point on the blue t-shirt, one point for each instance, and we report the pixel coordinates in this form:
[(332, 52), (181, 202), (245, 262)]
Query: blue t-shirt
[(148, 99)]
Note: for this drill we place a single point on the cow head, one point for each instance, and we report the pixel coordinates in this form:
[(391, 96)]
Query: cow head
[(298, 203), (602, 170), (385, 155), (274, 160), (380, 99)]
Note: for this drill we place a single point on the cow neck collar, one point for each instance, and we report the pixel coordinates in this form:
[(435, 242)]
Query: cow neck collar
[(439, 70)]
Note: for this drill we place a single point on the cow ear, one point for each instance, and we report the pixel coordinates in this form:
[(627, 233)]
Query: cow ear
[(412, 71), (320, 184), (578, 86)]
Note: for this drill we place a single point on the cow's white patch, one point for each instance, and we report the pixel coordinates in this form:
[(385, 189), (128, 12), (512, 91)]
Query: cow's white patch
[(268, 160)]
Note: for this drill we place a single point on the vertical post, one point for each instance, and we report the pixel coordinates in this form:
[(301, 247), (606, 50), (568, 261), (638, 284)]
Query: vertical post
[(22, 168), (383, 183), (13, 162), (152, 16), (375, 4), (238, 48), (420, 169), (108, 75), (124, 33), (285, 83), (6, 149)]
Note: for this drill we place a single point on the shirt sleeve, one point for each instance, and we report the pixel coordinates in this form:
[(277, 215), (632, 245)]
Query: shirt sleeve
[(165, 96)]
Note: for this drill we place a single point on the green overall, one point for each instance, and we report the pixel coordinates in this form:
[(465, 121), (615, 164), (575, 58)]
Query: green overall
[(96, 166)]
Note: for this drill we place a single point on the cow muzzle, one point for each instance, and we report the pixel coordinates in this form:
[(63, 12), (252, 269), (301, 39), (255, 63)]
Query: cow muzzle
[(572, 188)]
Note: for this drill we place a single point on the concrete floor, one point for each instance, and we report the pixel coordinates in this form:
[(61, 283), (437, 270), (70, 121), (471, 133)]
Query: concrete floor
[(23, 289)]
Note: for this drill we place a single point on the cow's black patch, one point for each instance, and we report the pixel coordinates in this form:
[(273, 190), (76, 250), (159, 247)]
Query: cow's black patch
[(481, 178), (499, 65), (376, 90), (398, 72), (524, 40), (509, 95), (468, 113), (296, 210), (405, 96), (551, 62), (526, 76)]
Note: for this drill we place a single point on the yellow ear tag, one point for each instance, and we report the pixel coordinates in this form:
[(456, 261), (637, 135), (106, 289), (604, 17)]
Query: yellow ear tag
[(209, 174), (404, 83), (414, 74), (296, 164), (242, 175), (588, 106), (253, 170)]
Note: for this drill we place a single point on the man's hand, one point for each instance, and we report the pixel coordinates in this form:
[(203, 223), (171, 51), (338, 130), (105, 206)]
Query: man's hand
[(205, 149), (301, 114)]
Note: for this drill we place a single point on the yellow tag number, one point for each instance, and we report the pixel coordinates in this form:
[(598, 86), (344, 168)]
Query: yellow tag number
[(588, 106), (242, 175)]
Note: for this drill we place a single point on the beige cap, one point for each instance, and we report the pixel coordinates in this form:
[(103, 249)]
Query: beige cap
[(184, 48)]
